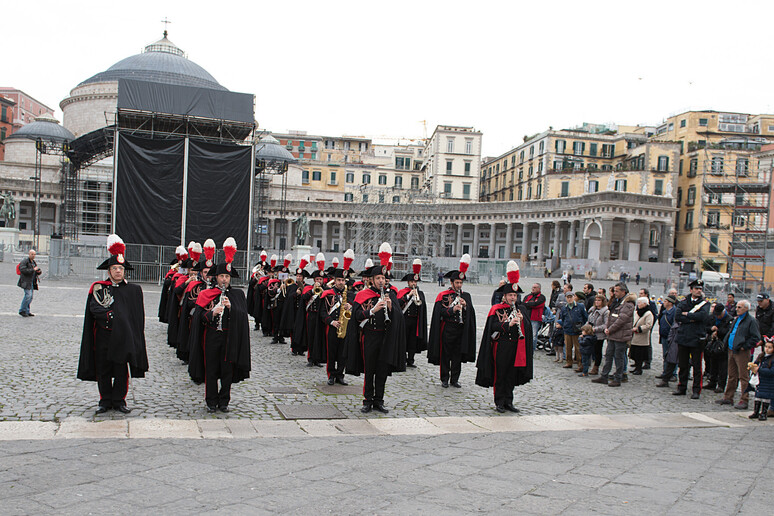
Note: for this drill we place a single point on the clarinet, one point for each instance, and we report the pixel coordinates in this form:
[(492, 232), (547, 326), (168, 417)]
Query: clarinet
[(220, 303), (387, 320)]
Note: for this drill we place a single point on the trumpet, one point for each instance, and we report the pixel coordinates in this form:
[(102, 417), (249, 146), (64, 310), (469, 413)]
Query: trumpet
[(417, 299), (317, 290), (284, 286), (457, 301)]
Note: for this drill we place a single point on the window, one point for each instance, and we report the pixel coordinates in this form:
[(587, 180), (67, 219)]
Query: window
[(519, 194), (578, 148), (521, 157), (468, 146), (540, 167), (690, 199), (333, 178), (593, 186), (716, 168), (693, 167), (679, 196), (348, 197), (620, 185), (449, 167), (742, 167), (663, 163), (305, 177), (713, 245), (366, 179), (529, 192), (558, 165), (466, 191), (739, 220), (447, 188), (565, 189), (680, 168), (346, 146), (382, 179), (540, 148), (365, 197), (739, 199), (403, 163), (396, 199), (350, 177), (713, 219), (363, 146), (607, 150), (592, 149), (682, 122), (653, 238), (398, 181), (414, 182), (330, 144), (689, 220), (2, 133), (559, 145), (658, 189), (381, 198), (467, 168), (539, 192), (702, 123), (316, 175), (450, 145)]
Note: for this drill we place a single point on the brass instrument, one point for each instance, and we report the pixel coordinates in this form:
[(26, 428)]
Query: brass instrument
[(220, 303), (176, 266), (386, 311), (317, 290), (102, 295), (344, 316), (455, 303), (417, 299), (511, 316), (284, 286)]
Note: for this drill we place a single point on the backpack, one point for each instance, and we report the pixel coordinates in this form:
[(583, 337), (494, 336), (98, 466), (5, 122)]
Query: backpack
[(18, 269)]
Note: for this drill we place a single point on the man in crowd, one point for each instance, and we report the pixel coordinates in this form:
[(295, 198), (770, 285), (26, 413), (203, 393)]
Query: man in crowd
[(741, 340), (570, 319), (717, 363), (28, 282), (333, 303), (619, 333), (765, 315), (588, 291), (666, 318), (692, 314), (654, 310), (535, 302), (414, 308), (113, 332)]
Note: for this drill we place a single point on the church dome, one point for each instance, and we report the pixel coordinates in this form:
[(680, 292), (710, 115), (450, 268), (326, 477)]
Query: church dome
[(162, 62), (45, 128)]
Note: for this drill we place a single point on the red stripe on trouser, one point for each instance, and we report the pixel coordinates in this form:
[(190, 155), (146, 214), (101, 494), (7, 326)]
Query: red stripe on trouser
[(204, 356), (362, 353), (494, 383), (327, 355), (440, 349), (127, 383)]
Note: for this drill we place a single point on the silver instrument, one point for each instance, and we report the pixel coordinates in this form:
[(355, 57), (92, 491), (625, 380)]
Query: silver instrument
[(413, 299), (220, 303), (455, 303), (511, 316), (386, 311), (102, 295)]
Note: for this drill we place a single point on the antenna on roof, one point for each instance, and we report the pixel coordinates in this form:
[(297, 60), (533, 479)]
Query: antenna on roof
[(166, 22)]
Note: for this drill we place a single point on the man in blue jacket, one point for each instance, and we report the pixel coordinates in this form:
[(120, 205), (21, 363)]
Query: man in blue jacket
[(571, 317), (741, 340)]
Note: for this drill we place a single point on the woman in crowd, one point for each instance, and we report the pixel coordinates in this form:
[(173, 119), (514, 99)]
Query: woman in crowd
[(598, 316)]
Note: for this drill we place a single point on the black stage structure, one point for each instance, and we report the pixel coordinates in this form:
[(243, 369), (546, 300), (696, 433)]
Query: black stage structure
[(183, 169)]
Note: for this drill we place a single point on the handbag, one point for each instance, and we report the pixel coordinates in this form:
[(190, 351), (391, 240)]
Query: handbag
[(716, 347), (753, 381)]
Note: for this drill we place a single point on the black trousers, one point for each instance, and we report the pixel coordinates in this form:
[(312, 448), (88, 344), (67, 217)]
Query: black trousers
[(504, 377), (687, 358), (335, 350), (216, 368), (718, 369), (598, 347), (639, 355), (411, 339), (374, 370), (451, 352), (112, 377)]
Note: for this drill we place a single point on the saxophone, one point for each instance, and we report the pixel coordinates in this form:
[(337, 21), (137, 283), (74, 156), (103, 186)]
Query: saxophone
[(344, 316)]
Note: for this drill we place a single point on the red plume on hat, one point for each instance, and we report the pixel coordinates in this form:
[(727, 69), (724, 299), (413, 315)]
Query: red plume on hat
[(181, 253), (115, 245), (320, 259), (335, 262), (273, 260), (304, 262), (195, 251), (389, 264), (385, 253), (286, 261), (464, 262), (512, 271), (416, 266), (229, 249), (263, 256), (209, 251), (349, 257), (189, 247)]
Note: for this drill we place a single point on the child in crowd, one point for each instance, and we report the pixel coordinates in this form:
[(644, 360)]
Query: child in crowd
[(587, 343), (764, 366)]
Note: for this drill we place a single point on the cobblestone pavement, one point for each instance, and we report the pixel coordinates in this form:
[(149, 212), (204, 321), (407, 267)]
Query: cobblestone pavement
[(718, 471), (38, 361)]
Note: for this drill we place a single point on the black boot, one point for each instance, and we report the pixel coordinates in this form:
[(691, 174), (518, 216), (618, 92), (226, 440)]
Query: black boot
[(764, 412)]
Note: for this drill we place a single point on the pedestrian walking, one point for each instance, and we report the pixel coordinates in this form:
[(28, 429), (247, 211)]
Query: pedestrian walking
[(29, 274)]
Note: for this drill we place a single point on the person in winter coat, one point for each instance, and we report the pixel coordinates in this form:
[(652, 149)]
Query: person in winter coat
[(740, 341), (666, 318), (598, 316), (692, 314), (641, 326), (717, 363), (571, 318), (618, 333), (764, 367), (28, 282)]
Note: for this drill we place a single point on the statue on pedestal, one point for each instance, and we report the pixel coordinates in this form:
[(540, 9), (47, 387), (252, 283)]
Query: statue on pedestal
[(8, 210), (302, 229)]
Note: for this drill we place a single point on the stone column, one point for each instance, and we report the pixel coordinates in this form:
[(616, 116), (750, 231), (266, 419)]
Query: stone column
[(644, 241), (324, 245), (442, 250), (541, 258), (557, 231), (571, 238), (606, 240), (474, 250), (508, 240), (584, 242), (359, 236), (409, 236), (426, 236), (626, 240), (458, 247), (526, 242), (665, 243), (492, 239)]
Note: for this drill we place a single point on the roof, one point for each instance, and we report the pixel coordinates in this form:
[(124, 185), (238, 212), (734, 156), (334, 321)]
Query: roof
[(161, 61), (45, 128)]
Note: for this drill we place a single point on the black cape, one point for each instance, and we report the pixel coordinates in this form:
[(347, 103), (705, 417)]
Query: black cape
[(164, 298), (184, 323), (238, 348), (393, 352), (486, 363), (468, 345), (421, 342), (127, 339)]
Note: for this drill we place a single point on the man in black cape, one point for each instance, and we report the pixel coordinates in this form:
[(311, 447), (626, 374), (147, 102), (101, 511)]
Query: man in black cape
[(311, 305), (505, 355), (414, 308), (192, 291), (256, 274), (220, 335), (379, 347), (169, 283), (333, 303), (452, 337), (175, 302), (292, 319), (113, 332)]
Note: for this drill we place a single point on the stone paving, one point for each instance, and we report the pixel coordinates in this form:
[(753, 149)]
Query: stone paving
[(39, 358)]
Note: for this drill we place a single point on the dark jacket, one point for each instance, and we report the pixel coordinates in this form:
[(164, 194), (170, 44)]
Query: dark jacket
[(535, 305), (619, 324), (747, 335), (765, 388), (573, 318), (552, 300), (723, 324), (665, 321), (28, 278), (693, 326), (765, 319)]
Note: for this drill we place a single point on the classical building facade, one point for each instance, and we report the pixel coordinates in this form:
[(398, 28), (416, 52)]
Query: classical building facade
[(26, 108), (452, 161)]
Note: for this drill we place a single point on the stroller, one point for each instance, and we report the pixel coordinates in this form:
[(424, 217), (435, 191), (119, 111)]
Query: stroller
[(544, 333)]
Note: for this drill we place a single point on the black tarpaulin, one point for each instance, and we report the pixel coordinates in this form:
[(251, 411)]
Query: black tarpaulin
[(218, 200), (149, 190), (185, 100)]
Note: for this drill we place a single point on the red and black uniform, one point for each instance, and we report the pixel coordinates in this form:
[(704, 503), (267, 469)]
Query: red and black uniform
[(311, 303), (335, 351), (261, 308), (415, 315), (113, 336), (505, 355), (452, 335), (174, 304), (291, 321), (188, 303), (275, 302), (165, 288)]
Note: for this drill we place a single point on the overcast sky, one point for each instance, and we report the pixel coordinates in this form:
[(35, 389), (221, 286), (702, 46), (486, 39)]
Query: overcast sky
[(379, 68)]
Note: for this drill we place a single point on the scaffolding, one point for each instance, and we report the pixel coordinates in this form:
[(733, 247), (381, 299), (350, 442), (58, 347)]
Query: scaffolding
[(735, 216)]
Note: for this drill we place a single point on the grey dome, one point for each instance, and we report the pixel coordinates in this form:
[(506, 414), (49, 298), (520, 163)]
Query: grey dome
[(270, 150), (45, 128), (161, 62)]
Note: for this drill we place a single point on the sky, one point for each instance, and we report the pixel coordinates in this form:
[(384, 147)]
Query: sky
[(388, 69)]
